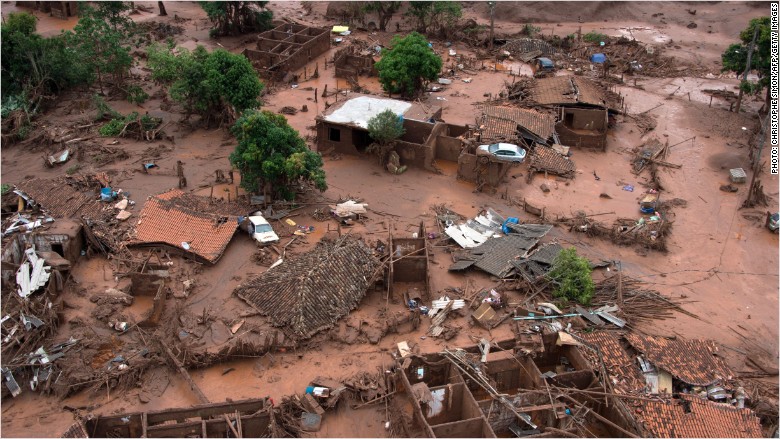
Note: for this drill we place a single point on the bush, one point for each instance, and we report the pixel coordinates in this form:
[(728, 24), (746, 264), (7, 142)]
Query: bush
[(530, 30), (136, 95), (115, 126), (406, 64), (571, 275), (385, 127), (4, 188), (595, 37)]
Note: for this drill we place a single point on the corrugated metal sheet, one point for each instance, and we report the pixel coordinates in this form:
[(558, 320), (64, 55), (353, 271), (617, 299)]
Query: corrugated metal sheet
[(530, 230), (498, 254)]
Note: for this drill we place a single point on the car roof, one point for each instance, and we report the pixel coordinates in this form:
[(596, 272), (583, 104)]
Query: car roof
[(507, 146), (258, 219)]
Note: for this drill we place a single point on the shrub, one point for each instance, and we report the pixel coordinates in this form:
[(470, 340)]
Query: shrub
[(594, 37), (571, 275)]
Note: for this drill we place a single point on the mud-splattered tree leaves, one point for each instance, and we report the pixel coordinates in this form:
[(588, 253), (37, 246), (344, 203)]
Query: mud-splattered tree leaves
[(435, 16), (204, 82), (385, 127), (271, 154), (571, 275), (734, 59), (406, 64), (237, 17), (384, 10)]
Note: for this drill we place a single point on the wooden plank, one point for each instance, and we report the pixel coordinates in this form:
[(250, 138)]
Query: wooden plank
[(536, 408)]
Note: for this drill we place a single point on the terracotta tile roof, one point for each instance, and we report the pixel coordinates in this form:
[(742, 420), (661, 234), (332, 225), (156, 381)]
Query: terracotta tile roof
[(61, 200), (668, 418), (570, 90), (169, 219), (501, 120), (545, 159), (622, 368), (692, 361), (312, 291)]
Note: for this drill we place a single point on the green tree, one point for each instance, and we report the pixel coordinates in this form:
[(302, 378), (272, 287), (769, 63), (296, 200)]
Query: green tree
[(237, 17), (101, 41), (435, 16), (571, 275), (385, 127), (384, 10), (406, 64), (272, 156), (734, 59), (206, 82)]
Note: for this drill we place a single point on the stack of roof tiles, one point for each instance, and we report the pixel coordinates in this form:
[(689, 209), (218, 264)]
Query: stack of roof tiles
[(61, 200), (692, 361), (691, 416), (311, 292), (174, 218), (545, 159)]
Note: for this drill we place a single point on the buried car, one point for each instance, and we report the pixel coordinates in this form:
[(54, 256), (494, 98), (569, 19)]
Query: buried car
[(507, 152), (259, 228)]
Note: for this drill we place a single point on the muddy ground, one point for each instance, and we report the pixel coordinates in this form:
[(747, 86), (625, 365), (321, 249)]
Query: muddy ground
[(719, 256)]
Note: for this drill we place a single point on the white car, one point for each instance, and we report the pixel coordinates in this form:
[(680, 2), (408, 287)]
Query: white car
[(508, 152), (260, 230)]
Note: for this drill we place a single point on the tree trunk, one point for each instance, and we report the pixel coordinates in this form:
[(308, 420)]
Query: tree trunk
[(492, 9), (163, 12)]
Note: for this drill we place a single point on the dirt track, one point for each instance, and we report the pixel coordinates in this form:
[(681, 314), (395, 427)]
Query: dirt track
[(724, 261)]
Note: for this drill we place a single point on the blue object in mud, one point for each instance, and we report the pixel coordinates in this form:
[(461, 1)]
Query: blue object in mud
[(510, 220), (106, 194), (598, 58), (309, 389)]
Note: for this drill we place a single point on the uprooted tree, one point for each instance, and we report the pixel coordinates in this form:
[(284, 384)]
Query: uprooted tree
[(735, 58), (272, 157), (237, 17), (571, 275), (217, 85), (407, 64)]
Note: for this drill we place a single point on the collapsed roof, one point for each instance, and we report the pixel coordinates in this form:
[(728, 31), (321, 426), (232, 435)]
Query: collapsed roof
[(312, 291), (503, 123), (60, 199), (690, 416), (692, 361), (570, 91), (185, 222)]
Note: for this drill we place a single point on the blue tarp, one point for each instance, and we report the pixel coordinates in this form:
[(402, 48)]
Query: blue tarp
[(598, 57)]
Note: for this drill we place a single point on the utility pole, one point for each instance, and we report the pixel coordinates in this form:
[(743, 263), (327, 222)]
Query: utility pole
[(747, 68), (492, 6), (749, 202)]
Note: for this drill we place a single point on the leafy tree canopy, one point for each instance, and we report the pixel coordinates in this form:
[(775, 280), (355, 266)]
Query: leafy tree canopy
[(434, 16), (385, 127), (406, 64), (734, 59), (572, 277), (383, 9), (204, 82), (270, 152), (237, 17)]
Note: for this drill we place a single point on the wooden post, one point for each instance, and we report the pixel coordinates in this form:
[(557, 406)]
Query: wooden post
[(620, 285), (710, 100), (211, 194), (315, 95), (305, 73), (325, 91)]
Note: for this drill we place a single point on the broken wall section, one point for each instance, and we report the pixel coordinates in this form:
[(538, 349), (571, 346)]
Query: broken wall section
[(287, 48)]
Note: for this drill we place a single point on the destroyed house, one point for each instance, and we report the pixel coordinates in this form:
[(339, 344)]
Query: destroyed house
[(247, 418), (343, 128), (312, 291), (59, 199), (61, 9), (287, 48), (185, 224), (493, 390), (583, 107), (513, 125), (353, 61)]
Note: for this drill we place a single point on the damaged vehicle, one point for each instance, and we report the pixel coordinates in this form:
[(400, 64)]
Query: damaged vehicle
[(505, 152), (259, 228)]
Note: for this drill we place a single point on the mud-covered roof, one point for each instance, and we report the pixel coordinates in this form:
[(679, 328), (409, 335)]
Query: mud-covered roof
[(570, 90), (545, 159), (502, 121), (691, 416), (312, 291), (174, 218), (498, 253), (357, 111), (692, 361), (61, 200)]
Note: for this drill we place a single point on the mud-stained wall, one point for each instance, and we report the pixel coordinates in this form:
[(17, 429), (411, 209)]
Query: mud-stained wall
[(416, 131), (326, 131), (581, 128), (448, 148), (452, 402), (476, 427)]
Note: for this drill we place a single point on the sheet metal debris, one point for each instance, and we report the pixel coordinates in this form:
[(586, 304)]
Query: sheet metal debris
[(28, 282)]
